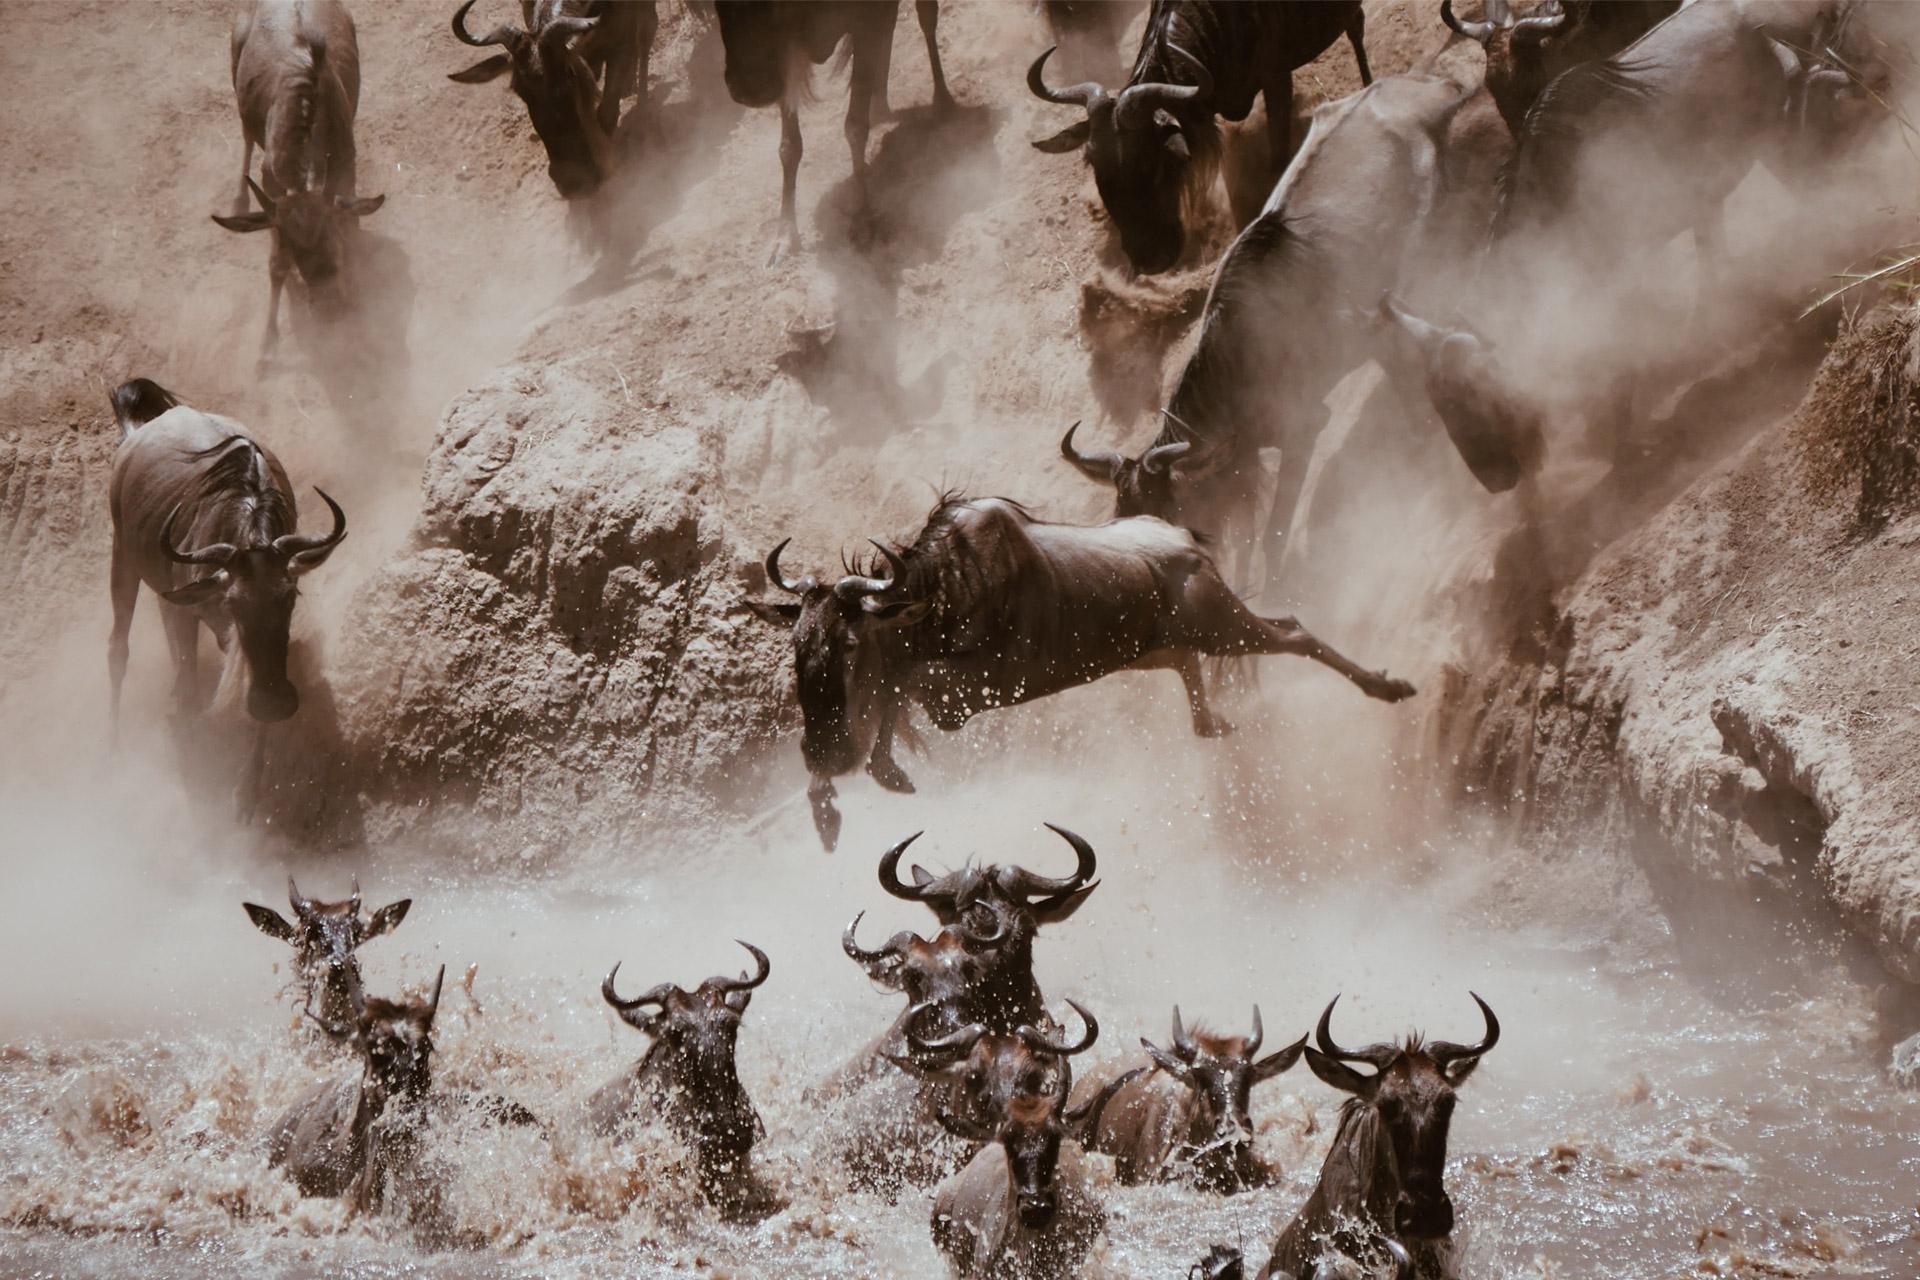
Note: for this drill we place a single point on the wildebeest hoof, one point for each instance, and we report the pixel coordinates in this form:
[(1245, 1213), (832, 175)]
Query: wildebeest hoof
[(1212, 727), (890, 776), (1388, 689), (826, 820)]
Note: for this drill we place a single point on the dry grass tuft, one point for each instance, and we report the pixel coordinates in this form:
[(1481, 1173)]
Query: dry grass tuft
[(1860, 429)]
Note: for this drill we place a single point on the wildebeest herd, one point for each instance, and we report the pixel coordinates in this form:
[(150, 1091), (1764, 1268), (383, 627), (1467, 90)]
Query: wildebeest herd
[(990, 605)]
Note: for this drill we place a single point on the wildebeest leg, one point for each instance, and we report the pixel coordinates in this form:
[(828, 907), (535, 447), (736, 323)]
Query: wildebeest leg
[(869, 70), (277, 268), (826, 818), (1357, 37), (1286, 501), (1216, 622), (124, 586), (246, 793), (928, 12), (788, 237), (881, 766), (245, 201), (183, 640), (883, 68), (1205, 723)]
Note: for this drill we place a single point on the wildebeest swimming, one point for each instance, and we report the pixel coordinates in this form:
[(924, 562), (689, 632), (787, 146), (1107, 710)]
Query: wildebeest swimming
[(1525, 53), (296, 78), (1187, 1113), (769, 45), (688, 1077), (571, 64), (1154, 146), (1350, 219), (324, 937), (204, 516), (990, 607)]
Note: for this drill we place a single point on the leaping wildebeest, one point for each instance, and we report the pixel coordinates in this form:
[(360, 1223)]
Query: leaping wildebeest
[(1188, 1112), (771, 43), (324, 937), (1022, 1205), (1384, 1180), (204, 516), (688, 1077), (991, 607), (1525, 52), (1352, 217), (296, 77), (1155, 145), (571, 64)]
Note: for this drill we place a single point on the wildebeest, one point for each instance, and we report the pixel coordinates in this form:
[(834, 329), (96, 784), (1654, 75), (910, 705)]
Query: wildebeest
[(990, 607), (1384, 1177), (1190, 1115), (1021, 1206), (1155, 145), (1348, 221), (193, 494), (571, 64), (324, 937), (296, 77), (354, 1137), (688, 1077), (1525, 53), (770, 45)]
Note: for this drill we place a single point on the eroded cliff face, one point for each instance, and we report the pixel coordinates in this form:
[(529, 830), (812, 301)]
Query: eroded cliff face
[(1730, 690)]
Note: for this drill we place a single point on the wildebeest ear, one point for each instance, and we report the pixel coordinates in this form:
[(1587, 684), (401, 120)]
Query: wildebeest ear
[(780, 615), (361, 207), (900, 613), (195, 594), (484, 70), (387, 919), (1459, 1069), (244, 221), (1071, 138), (1339, 1074), (269, 922), (1279, 1060), (1054, 913), (1166, 1061)]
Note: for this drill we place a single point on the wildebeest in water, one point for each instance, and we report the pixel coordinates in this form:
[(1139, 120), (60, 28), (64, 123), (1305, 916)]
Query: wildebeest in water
[(571, 64), (325, 937), (991, 607), (296, 78), (204, 516), (1155, 145)]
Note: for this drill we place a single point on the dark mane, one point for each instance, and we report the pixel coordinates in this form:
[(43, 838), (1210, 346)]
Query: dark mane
[(1547, 152), (974, 583), (238, 484)]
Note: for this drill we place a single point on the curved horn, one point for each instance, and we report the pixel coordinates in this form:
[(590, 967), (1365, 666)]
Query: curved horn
[(1481, 32), (868, 960), (1544, 24), (354, 897), (566, 28), (433, 1001), (1183, 1043), (1037, 1040), (1028, 885), (1157, 459), (762, 966), (1098, 466), (214, 553), (1087, 95), (1259, 1036), (981, 937), (501, 34), (310, 545), (1135, 107), (1444, 1052), (890, 872), (266, 205), (1374, 1055), (302, 905), (853, 586), (779, 579), (955, 1042), (658, 995)]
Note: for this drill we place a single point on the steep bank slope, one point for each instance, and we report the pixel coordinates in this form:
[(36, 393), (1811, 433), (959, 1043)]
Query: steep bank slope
[(1731, 689)]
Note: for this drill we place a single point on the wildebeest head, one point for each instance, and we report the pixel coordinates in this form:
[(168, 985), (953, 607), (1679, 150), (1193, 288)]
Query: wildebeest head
[(1220, 1072), (560, 91), (698, 1029), (1003, 904), (758, 41), (1153, 148), (1012, 1089), (947, 973), (838, 662), (1412, 1092), (1827, 103), (324, 937), (393, 1037), (1518, 67), (1142, 486), (313, 227), (254, 587)]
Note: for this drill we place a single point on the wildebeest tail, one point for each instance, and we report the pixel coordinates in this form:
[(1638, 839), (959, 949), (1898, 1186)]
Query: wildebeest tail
[(139, 401)]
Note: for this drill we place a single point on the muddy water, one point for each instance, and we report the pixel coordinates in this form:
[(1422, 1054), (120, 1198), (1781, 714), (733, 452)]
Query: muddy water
[(1636, 1119)]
